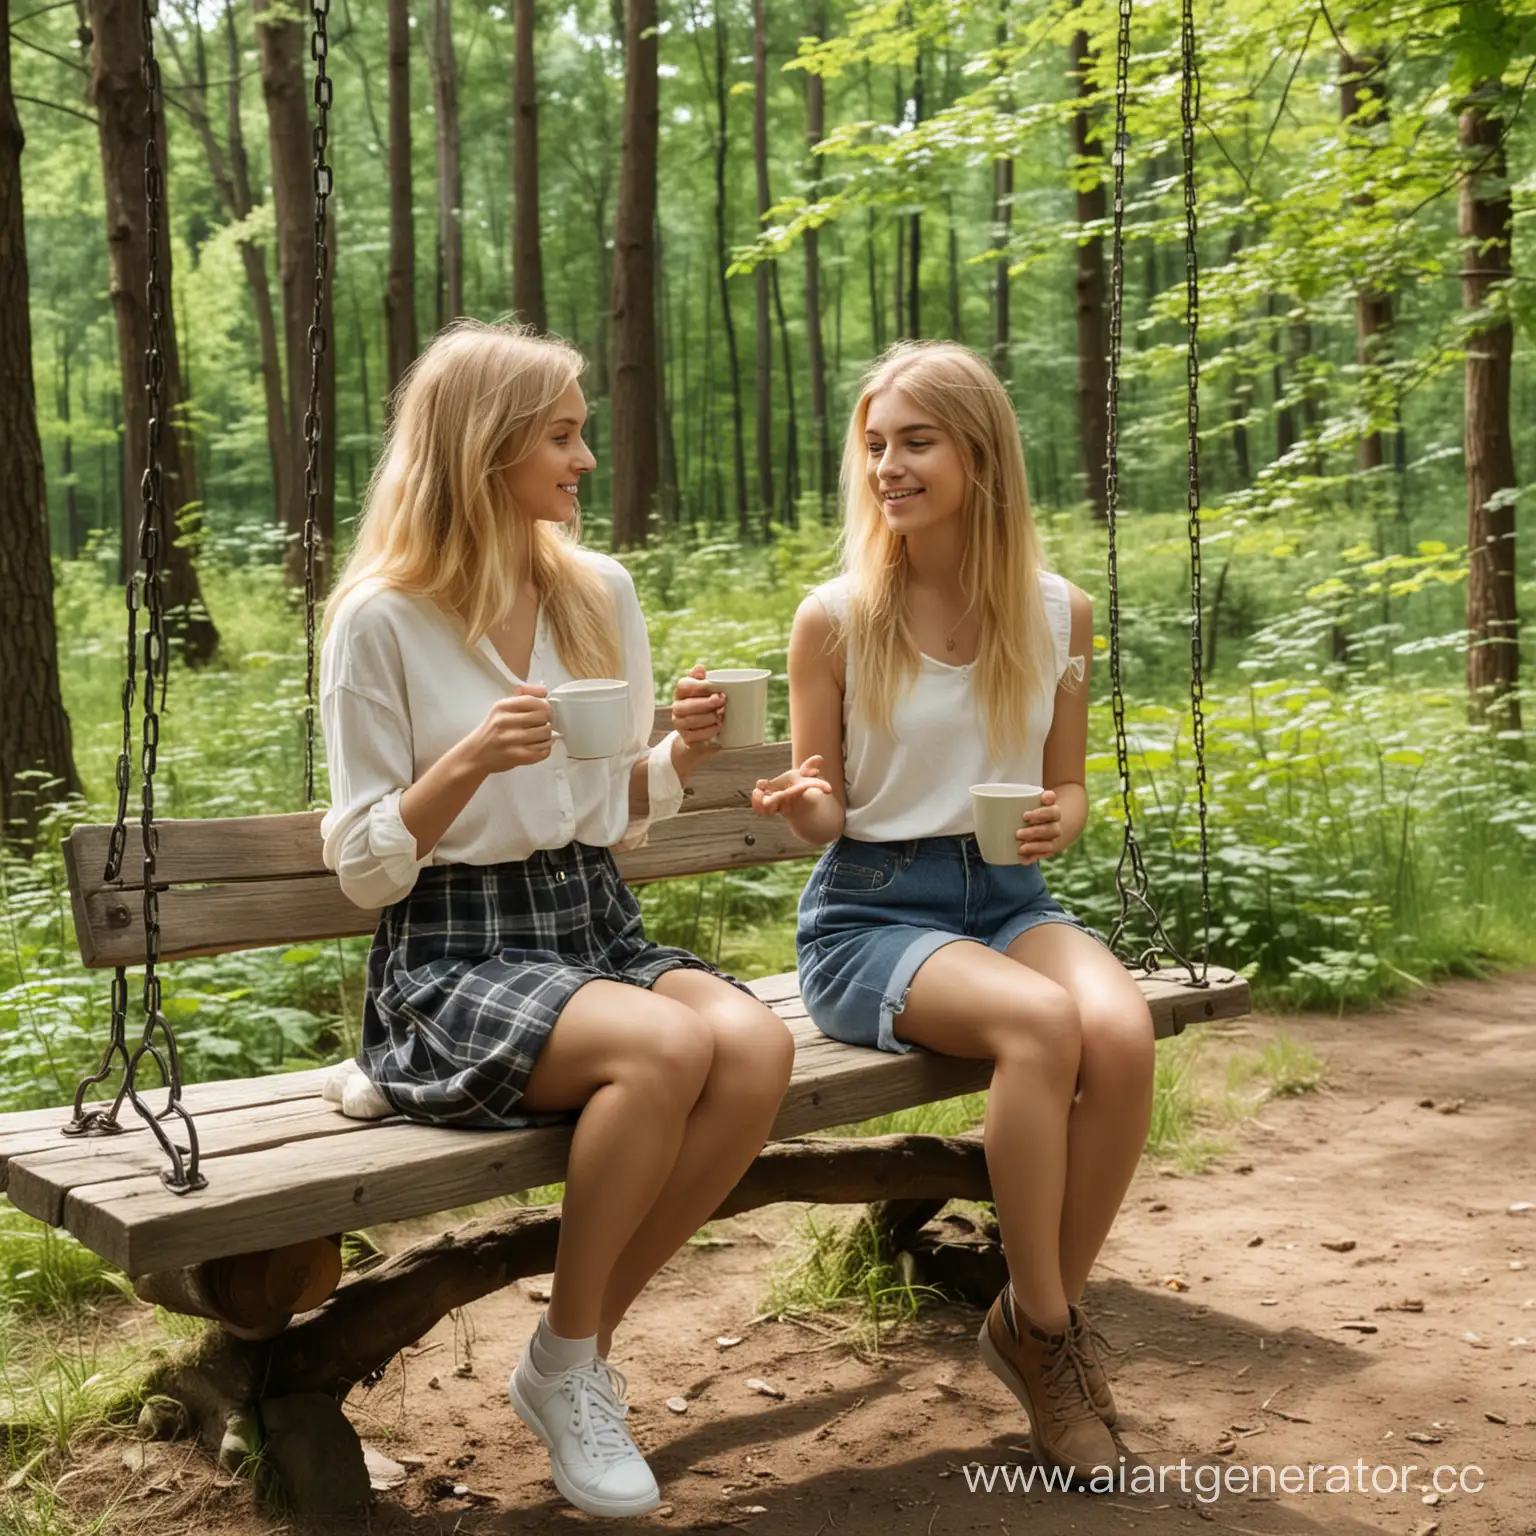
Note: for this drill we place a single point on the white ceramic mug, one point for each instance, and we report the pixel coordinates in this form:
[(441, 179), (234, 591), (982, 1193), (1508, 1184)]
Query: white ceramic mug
[(999, 810), (591, 715), (746, 704)]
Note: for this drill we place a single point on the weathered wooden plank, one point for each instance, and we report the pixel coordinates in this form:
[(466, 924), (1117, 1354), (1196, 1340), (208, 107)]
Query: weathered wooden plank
[(253, 914), (394, 1169), (41, 1172), (397, 1169), (39, 1130), (287, 847), (37, 1182), (213, 919), (34, 1130)]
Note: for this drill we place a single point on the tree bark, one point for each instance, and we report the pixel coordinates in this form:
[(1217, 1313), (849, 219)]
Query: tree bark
[(915, 222), (815, 132), (283, 49), (670, 493), (636, 425), (1242, 394), (1002, 236), (722, 261), (231, 180), (450, 173), (1285, 417), (73, 524), (1484, 222), (117, 92), (527, 256), (1090, 287), (400, 284), (762, 276), (1363, 87), (34, 728)]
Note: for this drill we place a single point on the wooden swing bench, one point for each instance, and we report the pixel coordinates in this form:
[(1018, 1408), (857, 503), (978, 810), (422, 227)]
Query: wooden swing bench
[(285, 1167)]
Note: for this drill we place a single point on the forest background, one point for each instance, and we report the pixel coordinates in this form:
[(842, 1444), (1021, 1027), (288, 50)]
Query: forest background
[(731, 208)]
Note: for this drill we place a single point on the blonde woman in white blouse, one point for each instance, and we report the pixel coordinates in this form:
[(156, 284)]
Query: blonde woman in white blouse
[(510, 980), (946, 655)]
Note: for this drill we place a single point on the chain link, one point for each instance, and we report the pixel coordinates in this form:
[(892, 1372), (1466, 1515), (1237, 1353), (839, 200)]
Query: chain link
[(1132, 883), (319, 50), (158, 1041)]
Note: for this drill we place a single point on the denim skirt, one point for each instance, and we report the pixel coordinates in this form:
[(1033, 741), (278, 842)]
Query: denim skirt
[(468, 974), (871, 913)]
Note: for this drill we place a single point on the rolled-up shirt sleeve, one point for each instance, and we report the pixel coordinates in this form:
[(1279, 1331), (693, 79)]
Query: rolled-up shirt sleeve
[(664, 788), (368, 750)]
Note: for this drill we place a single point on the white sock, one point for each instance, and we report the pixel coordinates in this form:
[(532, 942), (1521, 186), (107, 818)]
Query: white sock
[(551, 1355)]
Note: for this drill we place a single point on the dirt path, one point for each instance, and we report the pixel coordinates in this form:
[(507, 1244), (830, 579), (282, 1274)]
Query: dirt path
[(1246, 1368)]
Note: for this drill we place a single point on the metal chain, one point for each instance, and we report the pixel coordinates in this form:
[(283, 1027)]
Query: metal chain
[(1189, 112), (319, 49), (158, 1040), (1132, 883)]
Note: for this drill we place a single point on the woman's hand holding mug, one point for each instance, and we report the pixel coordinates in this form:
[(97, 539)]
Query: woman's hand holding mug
[(516, 731), (697, 712), (774, 795), (1040, 836)]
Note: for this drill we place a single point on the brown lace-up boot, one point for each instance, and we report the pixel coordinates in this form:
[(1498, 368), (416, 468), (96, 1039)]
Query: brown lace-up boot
[(1089, 1341), (1048, 1375)]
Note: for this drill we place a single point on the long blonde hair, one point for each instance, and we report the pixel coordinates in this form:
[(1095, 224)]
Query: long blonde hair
[(956, 390), (438, 521)]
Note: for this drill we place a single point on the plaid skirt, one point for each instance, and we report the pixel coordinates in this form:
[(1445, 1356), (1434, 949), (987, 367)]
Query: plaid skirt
[(469, 972)]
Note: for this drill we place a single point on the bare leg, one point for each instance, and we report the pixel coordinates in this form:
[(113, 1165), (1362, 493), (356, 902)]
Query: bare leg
[(753, 1055), (1108, 1126), (967, 1000), (638, 1064)]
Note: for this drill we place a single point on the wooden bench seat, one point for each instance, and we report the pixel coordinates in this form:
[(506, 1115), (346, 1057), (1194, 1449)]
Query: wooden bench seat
[(282, 1164)]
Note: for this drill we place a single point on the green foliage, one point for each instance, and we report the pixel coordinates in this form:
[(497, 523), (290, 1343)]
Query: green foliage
[(847, 1269), (44, 1271)]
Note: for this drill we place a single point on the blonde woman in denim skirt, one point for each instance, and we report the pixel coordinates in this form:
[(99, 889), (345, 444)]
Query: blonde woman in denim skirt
[(946, 655), (510, 981)]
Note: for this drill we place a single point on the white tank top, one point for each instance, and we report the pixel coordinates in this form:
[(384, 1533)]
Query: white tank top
[(915, 780)]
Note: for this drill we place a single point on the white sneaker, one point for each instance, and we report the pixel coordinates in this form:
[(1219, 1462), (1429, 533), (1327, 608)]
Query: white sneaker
[(580, 1415)]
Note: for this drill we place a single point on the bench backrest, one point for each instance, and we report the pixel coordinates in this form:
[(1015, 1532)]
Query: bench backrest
[(252, 881)]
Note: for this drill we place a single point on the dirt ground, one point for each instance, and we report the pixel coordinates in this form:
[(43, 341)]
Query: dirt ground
[(1230, 1294)]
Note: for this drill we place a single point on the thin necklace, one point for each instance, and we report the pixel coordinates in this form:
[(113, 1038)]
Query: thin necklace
[(949, 639)]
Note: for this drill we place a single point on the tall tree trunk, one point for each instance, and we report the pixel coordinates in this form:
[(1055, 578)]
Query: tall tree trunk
[(1090, 287), (229, 172), (762, 276), (872, 269), (402, 340), (635, 423), (73, 524), (791, 420), (1242, 398), (1002, 232), (450, 173), (34, 729), (1301, 354), (671, 496), (1485, 218), (1362, 104), (1285, 417), (527, 258), (283, 49), (815, 132), (122, 109), (722, 261), (915, 222)]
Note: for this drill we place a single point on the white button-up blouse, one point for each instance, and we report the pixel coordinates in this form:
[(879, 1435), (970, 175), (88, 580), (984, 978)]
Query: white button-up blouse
[(399, 686)]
